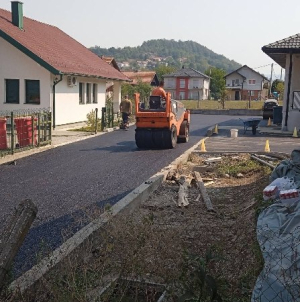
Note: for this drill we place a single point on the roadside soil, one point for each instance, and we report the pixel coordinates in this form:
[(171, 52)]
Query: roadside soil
[(171, 245)]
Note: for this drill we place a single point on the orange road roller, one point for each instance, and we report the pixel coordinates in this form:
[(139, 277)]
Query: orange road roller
[(160, 123)]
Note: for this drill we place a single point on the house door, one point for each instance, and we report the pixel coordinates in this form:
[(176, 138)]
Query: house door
[(237, 96)]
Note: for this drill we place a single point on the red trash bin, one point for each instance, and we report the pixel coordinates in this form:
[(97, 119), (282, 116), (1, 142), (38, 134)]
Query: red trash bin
[(24, 131), (3, 139)]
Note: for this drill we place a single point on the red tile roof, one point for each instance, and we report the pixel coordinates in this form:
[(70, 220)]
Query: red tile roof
[(144, 76), (54, 49)]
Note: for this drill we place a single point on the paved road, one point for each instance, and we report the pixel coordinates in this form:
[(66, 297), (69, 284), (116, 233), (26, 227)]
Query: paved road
[(65, 180)]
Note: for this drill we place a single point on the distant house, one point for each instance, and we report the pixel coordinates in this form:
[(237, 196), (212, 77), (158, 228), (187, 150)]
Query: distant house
[(148, 77), (187, 84), (43, 67), (246, 83), (111, 61), (110, 84), (286, 53)]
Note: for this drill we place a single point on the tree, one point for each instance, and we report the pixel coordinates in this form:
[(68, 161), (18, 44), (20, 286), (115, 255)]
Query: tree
[(278, 88), (127, 89), (217, 82), (143, 89), (223, 97), (162, 70)]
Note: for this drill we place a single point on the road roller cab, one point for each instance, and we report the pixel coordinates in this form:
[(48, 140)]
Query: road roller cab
[(160, 123)]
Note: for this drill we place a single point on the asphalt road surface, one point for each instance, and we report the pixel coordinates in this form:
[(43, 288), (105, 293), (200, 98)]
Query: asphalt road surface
[(67, 181)]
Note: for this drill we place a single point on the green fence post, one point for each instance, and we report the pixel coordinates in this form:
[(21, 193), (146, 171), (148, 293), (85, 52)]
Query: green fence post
[(12, 132), (112, 116), (102, 118), (96, 124), (49, 122), (39, 128), (44, 123)]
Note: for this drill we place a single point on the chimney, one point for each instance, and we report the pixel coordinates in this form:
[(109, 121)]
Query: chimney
[(17, 13)]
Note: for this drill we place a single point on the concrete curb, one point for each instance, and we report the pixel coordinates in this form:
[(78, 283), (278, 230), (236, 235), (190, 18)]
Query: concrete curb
[(73, 244)]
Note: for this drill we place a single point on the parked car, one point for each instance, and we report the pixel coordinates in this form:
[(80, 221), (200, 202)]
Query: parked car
[(267, 109)]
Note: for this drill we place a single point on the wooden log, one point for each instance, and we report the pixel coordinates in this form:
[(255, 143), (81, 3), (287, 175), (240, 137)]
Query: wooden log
[(203, 191), (182, 193), (15, 234), (263, 162)]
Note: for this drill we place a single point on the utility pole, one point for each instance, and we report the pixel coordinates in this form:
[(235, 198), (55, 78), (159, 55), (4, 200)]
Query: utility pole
[(281, 75), (271, 79)]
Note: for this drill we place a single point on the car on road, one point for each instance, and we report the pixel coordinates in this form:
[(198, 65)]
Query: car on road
[(267, 109)]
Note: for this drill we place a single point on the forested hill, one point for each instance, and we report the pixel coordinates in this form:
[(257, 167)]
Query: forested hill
[(174, 53)]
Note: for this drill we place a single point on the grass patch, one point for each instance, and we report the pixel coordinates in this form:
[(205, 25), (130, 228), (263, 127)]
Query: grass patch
[(243, 166)]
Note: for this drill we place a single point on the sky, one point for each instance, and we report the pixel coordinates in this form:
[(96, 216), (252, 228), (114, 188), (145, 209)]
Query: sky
[(237, 29)]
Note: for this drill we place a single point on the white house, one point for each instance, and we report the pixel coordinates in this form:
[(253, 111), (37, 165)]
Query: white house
[(246, 83), (187, 84), (286, 53), (43, 67)]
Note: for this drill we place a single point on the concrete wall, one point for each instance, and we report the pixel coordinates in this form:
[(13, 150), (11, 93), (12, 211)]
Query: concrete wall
[(293, 113), (68, 109), (247, 112), (16, 65)]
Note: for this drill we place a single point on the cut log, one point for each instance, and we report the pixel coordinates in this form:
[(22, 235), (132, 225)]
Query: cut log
[(203, 191), (182, 193), (263, 162), (213, 160), (14, 235), (173, 175)]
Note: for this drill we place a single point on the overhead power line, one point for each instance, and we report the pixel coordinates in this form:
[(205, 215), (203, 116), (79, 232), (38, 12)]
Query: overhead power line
[(265, 65)]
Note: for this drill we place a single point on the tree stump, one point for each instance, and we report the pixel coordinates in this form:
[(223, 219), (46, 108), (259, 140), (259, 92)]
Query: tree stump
[(203, 191), (15, 234)]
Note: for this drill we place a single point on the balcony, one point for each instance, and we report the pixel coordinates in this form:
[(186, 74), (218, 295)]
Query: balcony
[(235, 86)]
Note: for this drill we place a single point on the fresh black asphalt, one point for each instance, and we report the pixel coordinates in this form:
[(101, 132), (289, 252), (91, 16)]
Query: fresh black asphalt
[(68, 181)]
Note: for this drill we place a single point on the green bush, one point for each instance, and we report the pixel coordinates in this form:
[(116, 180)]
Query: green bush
[(91, 121)]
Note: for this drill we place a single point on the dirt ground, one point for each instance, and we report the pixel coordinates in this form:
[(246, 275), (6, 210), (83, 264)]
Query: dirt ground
[(171, 244), (229, 231), (192, 251)]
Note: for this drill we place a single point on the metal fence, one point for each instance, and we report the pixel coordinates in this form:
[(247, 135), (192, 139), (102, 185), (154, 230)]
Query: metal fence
[(109, 118), (24, 129)]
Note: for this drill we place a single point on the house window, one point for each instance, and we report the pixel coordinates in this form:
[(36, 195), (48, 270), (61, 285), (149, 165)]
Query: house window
[(32, 88), (88, 93), (181, 95), (12, 89), (182, 83), (250, 92), (170, 83), (81, 93), (237, 82), (233, 82), (251, 82), (196, 83), (95, 94)]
